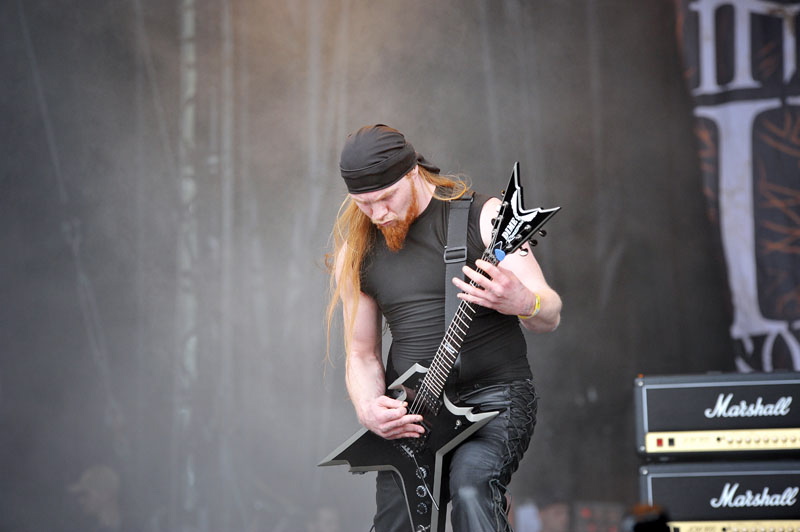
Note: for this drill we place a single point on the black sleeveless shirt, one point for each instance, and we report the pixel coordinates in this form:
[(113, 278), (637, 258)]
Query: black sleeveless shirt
[(409, 288)]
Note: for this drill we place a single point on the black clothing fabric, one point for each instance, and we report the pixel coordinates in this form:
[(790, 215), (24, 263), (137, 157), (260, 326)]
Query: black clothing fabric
[(409, 289), (376, 157)]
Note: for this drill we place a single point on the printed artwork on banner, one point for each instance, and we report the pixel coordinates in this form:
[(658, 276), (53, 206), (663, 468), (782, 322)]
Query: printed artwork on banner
[(741, 66)]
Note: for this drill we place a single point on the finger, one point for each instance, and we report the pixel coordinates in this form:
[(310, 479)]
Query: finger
[(488, 290), (486, 266), (479, 279), (472, 294), (408, 420), (413, 420), (405, 423), (475, 292), (407, 429), (388, 402), (461, 285), (390, 417), (401, 435), (501, 279), (491, 271)]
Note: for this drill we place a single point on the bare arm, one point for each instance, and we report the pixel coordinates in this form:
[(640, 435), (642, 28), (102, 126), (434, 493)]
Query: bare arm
[(365, 374), (512, 286)]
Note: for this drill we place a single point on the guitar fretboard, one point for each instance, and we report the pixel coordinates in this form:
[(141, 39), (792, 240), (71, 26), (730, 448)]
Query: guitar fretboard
[(430, 389)]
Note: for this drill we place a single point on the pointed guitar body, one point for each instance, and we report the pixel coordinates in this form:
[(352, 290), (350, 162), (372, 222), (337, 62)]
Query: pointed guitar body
[(419, 464)]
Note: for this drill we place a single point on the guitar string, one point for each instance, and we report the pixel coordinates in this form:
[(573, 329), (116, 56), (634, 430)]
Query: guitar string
[(443, 361)]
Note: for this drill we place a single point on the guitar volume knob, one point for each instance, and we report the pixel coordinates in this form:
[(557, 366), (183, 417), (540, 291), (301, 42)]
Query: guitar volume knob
[(422, 508), (421, 491)]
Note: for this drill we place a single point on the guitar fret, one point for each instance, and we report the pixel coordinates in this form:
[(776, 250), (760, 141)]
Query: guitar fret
[(453, 345), (457, 337), (436, 373), (450, 355), (439, 386)]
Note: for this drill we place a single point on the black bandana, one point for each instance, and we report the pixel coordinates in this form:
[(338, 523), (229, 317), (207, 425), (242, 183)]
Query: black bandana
[(376, 157)]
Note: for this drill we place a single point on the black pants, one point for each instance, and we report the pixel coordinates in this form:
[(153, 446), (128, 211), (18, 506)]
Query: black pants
[(480, 468)]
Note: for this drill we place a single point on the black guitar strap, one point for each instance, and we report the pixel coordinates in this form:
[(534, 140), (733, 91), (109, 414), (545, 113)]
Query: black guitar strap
[(455, 256)]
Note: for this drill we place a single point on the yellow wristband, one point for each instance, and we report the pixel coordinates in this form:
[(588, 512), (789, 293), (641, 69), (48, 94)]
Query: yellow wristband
[(537, 306)]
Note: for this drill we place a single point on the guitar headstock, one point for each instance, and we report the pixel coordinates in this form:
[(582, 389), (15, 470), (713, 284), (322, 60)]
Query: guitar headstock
[(515, 225)]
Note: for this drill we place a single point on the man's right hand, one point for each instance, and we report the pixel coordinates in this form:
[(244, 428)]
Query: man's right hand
[(389, 418)]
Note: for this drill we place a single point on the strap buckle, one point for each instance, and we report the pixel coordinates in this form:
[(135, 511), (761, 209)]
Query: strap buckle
[(455, 254)]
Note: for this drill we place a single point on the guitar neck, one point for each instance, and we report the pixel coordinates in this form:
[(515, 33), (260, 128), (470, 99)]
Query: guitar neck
[(432, 385)]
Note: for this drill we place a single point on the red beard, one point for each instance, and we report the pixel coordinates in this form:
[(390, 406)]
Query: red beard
[(395, 234)]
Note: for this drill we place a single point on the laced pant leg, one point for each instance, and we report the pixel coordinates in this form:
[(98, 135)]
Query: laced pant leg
[(481, 467)]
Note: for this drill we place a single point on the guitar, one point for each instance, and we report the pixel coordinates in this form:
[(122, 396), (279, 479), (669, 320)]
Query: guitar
[(420, 462)]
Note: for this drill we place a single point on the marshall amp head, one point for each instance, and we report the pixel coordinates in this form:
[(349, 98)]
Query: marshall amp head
[(717, 496), (719, 413)]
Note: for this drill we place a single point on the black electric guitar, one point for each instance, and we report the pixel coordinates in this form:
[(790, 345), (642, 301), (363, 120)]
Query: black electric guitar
[(419, 461)]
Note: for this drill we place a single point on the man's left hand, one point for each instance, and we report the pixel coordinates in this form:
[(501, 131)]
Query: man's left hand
[(496, 288)]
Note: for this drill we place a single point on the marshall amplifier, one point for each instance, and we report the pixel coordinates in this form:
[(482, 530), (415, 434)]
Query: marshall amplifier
[(730, 493), (739, 414)]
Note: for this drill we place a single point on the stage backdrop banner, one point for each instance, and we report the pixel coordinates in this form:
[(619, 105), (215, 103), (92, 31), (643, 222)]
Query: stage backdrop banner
[(741, 66)]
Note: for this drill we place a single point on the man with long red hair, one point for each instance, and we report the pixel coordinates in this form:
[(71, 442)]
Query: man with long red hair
[(387, 264)]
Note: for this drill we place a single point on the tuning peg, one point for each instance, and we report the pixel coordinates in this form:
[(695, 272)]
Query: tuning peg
[(542, 232), (534, 243)]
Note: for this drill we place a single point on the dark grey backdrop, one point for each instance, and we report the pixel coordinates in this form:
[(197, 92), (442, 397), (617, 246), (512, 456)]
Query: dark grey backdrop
[(168, 184)]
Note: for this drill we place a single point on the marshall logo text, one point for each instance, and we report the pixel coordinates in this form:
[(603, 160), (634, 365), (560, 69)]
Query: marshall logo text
[(724, 408), (731, 499)]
